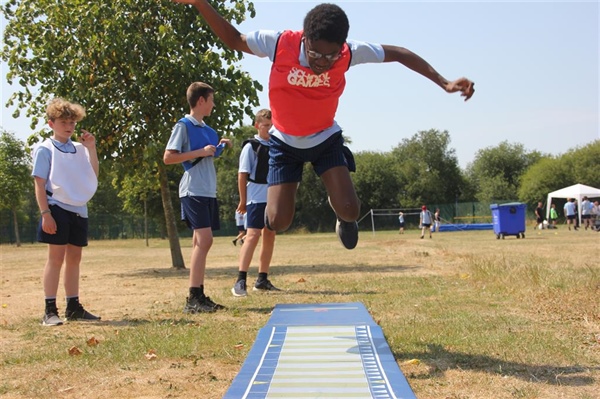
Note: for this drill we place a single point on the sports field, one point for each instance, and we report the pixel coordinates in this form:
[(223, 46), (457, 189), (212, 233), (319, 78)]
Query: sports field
[(465, 315)]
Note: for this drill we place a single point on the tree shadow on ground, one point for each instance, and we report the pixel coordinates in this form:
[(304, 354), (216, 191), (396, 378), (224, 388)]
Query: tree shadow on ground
[(439, 360), (170, 272)]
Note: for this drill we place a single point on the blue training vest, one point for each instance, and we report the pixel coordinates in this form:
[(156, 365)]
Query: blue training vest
[(199, 137)]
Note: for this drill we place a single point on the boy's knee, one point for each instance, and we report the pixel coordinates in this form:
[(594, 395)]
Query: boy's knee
[(277, 223), (349, 212)]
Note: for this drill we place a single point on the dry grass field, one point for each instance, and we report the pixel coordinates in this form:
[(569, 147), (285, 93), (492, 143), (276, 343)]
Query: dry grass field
[(466, 315)]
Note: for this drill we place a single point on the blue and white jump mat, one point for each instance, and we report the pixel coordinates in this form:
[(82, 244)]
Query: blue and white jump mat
[(332, 350)]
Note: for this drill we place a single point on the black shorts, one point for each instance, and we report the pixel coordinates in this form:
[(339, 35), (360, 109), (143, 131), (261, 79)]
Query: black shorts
[(200, 212), (255, 215), (70, 229), (426, 224), (286, 163)]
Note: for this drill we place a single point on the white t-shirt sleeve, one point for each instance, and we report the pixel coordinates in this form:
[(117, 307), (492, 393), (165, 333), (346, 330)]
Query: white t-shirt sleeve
[(178, 138), (41, 162), (247, 159), (365, 52), (263, 42)]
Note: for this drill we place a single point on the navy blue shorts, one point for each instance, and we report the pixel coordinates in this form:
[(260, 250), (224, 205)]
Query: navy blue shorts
[(255, 215), (286, 163), (200, 212), (70, 229)]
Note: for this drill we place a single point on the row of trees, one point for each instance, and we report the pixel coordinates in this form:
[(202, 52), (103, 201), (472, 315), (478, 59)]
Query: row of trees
[(420, 170), (125, 62)]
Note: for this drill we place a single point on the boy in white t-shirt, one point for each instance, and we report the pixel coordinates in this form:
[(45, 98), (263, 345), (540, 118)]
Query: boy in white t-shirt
[(66, 178)]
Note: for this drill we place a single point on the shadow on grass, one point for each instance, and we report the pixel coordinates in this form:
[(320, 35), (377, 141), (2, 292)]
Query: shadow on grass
[(439, 360), (170, 272)]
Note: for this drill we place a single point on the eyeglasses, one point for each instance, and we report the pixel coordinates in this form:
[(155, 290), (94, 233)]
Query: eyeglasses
[(315, 55), (328, 57)]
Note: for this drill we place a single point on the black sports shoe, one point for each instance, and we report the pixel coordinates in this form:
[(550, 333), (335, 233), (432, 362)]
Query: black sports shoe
[(80, 313), (215, 306), (347, 233), (195, 305), (264, 285)]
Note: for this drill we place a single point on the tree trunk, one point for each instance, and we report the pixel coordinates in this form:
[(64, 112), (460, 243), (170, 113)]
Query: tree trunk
[(16, 224), (146, 221), (176, 256)]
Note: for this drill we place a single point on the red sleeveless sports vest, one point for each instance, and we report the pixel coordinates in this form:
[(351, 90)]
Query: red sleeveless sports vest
[(303, 103)]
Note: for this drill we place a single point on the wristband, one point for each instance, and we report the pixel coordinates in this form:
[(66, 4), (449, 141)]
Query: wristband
[(45, 211)]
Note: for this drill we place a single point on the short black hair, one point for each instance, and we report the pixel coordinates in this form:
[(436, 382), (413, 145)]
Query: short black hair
[(326, 22)]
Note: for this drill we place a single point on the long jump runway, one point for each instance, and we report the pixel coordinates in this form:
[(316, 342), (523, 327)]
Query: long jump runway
[(333, 350)]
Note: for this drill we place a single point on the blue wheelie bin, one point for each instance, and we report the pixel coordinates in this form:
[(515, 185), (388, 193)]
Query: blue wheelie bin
[(509, 219)]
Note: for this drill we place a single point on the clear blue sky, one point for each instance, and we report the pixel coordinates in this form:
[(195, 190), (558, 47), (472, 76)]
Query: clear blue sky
[(535, 64)]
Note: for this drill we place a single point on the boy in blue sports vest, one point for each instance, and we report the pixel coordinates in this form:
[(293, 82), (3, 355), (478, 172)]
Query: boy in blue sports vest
[(194, 145)]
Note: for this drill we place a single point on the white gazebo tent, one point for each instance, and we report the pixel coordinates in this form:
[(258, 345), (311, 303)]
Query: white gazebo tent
[(577, 191)]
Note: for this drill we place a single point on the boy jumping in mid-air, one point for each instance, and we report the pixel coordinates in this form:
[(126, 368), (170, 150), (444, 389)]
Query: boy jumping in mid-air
[(307, 79)]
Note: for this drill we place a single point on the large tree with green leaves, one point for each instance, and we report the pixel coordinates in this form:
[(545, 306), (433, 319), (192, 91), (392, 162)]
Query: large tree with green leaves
[(496, 172), (427, 169), (129, 63), (15, 176), (578, 165)]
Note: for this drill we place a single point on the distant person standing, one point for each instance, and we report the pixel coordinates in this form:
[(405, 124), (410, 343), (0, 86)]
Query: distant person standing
[(240, 222), (66, 178), (570, 213), (553, 216), (401, 222), (437, 220), (425, 221), (586, 212), (539, 218)]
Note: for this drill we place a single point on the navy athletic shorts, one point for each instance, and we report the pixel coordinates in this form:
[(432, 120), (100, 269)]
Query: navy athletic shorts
[(255, 215), (200, 212), (70, 229), (286, 163)]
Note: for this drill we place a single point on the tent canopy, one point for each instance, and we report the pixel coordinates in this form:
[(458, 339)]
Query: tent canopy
[(577, 191)]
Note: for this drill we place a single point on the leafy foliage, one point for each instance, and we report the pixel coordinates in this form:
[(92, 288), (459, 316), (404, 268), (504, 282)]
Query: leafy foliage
[(15, 171), (129, 64), (579, 165), (428, 169), (496, 171)]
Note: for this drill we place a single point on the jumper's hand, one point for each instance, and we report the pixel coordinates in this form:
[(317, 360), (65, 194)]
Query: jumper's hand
[(464, 85)]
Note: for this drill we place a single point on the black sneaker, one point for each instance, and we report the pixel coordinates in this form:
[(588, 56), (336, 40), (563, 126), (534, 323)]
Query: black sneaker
[(51, 319), (264, 285), (194, 305), (234, 241), (80, 314), (239, 289), (215, 306), (347, 233)]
